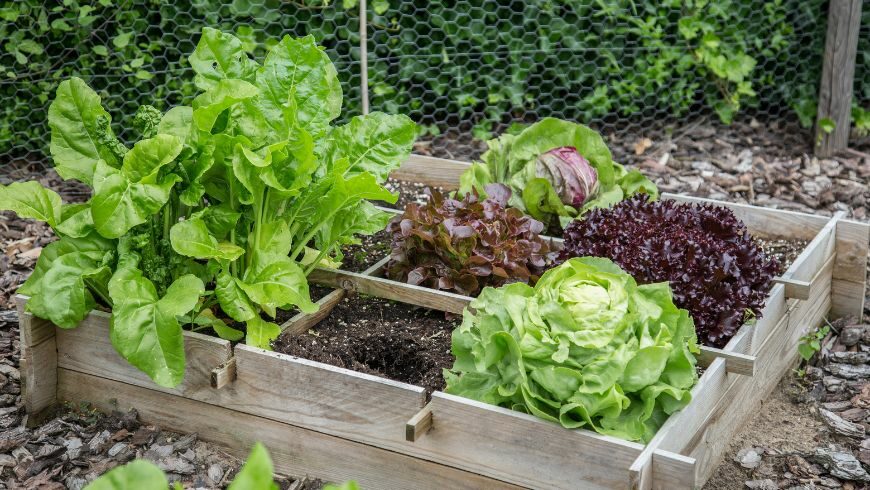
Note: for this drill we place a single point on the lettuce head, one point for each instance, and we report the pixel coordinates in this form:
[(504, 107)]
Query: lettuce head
[(586, 347)]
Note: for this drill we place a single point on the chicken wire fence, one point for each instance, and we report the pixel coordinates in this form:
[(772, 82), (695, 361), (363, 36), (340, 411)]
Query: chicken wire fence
[(464, 70)]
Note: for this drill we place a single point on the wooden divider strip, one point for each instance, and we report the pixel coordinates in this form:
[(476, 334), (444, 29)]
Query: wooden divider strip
[(301, 322), (419, 424)]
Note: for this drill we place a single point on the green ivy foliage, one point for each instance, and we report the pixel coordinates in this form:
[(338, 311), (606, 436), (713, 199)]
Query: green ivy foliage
[(480, 62)]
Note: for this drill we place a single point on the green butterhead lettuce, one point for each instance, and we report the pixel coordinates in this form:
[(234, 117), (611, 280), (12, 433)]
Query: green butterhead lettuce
[(586, 347), (514, 160)]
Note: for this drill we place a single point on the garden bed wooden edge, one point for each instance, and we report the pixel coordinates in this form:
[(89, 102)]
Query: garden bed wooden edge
[(335, 424)]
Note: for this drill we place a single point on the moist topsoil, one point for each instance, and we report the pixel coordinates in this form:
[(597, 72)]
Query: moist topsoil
[(367, 253), (384, 338)]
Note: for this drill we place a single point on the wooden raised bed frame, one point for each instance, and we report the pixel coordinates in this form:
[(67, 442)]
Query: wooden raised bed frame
[(335, 424)]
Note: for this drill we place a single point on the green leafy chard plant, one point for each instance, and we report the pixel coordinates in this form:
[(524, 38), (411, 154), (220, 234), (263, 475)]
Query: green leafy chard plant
[(219, 212)]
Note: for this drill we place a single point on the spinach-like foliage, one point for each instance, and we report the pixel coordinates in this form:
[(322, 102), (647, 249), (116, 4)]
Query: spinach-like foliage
[(214, 207), (464, 246), (715, 269)]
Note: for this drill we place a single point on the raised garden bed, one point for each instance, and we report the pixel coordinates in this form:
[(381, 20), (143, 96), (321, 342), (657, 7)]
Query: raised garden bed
[(336, 424)]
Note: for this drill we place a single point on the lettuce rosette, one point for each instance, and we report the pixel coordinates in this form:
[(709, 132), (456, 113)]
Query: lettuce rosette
[(557, 171), (586, 347)]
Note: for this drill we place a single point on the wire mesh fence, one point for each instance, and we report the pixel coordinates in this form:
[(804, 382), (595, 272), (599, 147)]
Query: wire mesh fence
[(465, 70)]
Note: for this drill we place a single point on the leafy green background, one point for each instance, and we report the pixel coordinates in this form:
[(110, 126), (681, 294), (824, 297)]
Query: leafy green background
[(471, 64)]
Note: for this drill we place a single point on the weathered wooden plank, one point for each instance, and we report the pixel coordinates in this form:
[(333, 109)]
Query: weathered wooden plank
[(301, 322), (838, 72), (38, 369), (419, 424), (321, 397), (387, 289), (847, 298), (809, 262), (38, 362), (850, 270), (522, 448), (775, 308), (294, 451), (672, 471), (853, 246), (377, 268), (37, 329), (437, 172), (88, 349)]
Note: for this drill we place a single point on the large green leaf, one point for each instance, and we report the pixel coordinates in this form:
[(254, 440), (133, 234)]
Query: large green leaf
[(377, 143), (150, 155), (293, 170), (361, 219), (93, 245), (31, 200), (279, 284), (178, 122), (224, 331), (220, 56), (223, 95), (256, 474), (144, 328), (261, 333), (192, 238), (299, 86), (139, 474), (61, 294), (75, 136), (76, 220), (233, 300), (120, 204), (219, 219)]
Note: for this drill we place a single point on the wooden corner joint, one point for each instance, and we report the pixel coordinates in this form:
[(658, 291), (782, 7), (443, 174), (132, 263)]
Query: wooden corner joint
[(223, 374), (420, 424)]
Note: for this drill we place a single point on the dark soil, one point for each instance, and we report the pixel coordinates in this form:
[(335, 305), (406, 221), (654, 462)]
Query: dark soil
[(783, 250), (317, 293), (408, 192), (380, 337), (373, 248)]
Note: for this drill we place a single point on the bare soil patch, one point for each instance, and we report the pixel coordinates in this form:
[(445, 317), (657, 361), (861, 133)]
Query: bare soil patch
[(380, 337)]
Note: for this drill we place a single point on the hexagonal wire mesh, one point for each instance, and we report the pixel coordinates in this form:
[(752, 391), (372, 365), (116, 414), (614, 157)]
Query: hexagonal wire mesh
[(135, 52), (465, 69)]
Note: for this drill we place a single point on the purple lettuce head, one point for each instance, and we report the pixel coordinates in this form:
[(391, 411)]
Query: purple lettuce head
[(572, 176)]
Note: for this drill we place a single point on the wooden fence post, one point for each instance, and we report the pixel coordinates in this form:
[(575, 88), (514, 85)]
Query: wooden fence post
[(838, 71), (363, 57)]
